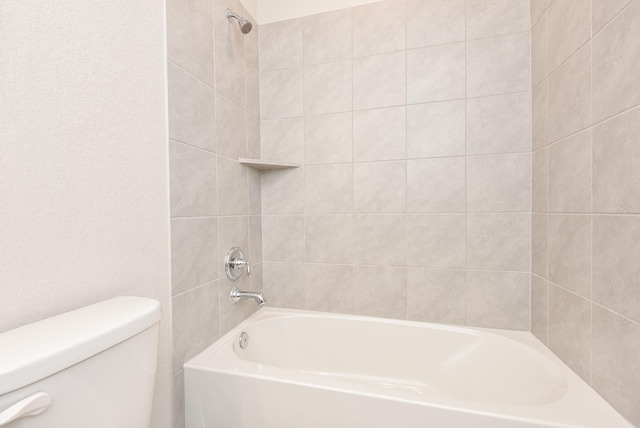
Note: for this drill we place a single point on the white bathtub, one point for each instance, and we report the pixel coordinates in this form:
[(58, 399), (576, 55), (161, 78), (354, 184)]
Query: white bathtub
[(305, 369)]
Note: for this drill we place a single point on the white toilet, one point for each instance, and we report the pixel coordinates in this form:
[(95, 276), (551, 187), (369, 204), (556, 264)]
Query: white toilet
[(89, 368)]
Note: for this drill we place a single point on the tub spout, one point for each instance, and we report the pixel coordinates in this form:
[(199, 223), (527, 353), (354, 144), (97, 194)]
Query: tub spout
[(237, 295)]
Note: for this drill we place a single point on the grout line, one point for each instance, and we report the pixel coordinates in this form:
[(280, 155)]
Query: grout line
[(406, 162), (304, 175), (352, 162), (208, 85), (466, 164), (613, 18), (591, 203), (197, 287)]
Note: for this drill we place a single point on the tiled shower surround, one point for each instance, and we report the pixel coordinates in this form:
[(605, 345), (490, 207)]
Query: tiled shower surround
[(412, 120), (586, 191), (214, 112), (423, 154)]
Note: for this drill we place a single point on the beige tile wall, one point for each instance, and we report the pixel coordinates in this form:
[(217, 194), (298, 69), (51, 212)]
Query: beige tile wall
[(214, 114), (586, 191), (412, 120)]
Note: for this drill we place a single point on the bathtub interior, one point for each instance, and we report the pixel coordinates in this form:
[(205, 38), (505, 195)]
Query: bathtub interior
[(465, 376), (425, 359)]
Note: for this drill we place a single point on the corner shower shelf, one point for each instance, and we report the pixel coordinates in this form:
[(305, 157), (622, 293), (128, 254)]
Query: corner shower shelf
[(265, 164)]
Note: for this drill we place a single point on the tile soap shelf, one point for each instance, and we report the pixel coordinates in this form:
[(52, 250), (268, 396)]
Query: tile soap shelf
[(266, 164)]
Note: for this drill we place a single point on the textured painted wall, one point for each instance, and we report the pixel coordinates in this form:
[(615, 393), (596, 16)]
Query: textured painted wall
[(586, 198), (83, 162)]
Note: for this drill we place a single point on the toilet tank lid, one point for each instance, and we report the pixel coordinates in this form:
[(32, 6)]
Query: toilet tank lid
[(35, 351)]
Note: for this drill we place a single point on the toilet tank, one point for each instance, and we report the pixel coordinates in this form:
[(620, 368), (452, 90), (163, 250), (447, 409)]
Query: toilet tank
[(90, 368)]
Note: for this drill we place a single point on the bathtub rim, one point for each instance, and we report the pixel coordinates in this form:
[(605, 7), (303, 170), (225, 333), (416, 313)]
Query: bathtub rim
[(220, 358)]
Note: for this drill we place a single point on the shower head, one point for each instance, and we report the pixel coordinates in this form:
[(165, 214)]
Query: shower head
[(244, 24)]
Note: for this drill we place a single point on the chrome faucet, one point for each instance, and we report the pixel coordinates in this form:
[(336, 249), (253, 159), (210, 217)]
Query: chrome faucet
[(237, 295), (234, 263)]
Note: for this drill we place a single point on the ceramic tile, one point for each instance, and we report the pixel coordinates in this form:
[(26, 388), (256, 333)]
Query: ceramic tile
[(380, 240), (379, 187), (231, 83), (178, 400), (436, 185), (538, 7), (233, 191), (283, 238), (328, 138), (281, 94), (436, 240), (616, 273), (328, 189), (256, 281), (539, 307), (569, 334), (284, 285), (281, 45), (435, 22), (540, 245), (570, 174), (498, 65), (604, 11), (500, 124), (191, 107), (379, 134), (329, 288), (487, 18), (327, 37), (436, 129), (570, 252), (500, 241), (616, 60), (329, 238), (569, 28), (328, 88), (436, 295), (379, 81), (190, 40), (614, 362), (192, 181), (253, 90), (194, 247), (282, 140), (255, 239), (540, 181), (539, 52), (194, 321), (498, 299), (498, 183), (540, 115), (570, 96), (380, 291), (379, 27), (253, 137), (205, 7), (436, 73), (283, 191), (254, 179), (616, 155), (231, 124)]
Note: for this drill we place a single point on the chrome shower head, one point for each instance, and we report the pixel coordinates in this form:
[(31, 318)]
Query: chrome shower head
[(244, 24)]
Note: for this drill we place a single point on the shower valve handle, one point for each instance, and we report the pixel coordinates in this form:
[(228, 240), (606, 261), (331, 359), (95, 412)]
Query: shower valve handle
[(234, 263)]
